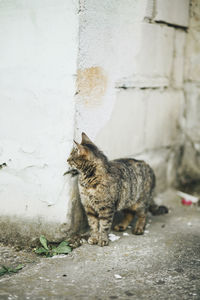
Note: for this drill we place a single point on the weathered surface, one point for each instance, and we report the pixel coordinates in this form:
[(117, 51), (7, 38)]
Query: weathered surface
[(192, 57), (190, 164), (10, 257), (144, 124), (175, 12), (38, 60), (178, 63), (164, 263), (103, 47)]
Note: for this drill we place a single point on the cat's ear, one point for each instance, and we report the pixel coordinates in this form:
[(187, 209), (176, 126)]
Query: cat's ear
[(85, 139), (81, 149)]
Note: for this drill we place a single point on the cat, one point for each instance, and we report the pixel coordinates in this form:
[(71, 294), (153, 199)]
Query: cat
[(108, 186)]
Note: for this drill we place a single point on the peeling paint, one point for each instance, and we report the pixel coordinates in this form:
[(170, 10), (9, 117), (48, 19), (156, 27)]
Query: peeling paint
[(3, 165), (91, 85)]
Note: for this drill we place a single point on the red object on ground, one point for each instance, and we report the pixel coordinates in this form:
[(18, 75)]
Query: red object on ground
[(186, 202)]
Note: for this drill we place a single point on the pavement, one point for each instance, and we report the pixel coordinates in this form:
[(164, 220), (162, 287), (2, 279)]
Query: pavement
[(164, 263)]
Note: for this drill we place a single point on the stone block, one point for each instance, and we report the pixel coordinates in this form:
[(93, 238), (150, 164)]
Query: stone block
[(192, 53), (189, 169), (164, 163), (150, 64), (178, 64), (123, 134), (163, 112), (192, 61), (192, 122), (141, 120), (108, 28), (175, 12), (128, 10)]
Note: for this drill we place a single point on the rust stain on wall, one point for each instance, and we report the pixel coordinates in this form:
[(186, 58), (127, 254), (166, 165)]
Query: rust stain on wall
[(91, 85)]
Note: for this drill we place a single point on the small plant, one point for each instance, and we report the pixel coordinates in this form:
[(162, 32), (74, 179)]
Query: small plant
[(49, 251), (6, 270)]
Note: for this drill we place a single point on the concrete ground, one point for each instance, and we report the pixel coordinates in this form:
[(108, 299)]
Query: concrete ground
[(164, 263)]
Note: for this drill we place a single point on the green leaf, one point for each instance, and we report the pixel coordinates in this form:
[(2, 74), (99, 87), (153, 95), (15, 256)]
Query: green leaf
[(3, 270), (49, 254), (43, 241), (41, 251), (62, 248), (12, 270), (65, 242), (19, 267)]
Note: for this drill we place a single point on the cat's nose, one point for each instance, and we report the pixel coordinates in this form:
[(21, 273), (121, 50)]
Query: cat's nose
[(69, 161)]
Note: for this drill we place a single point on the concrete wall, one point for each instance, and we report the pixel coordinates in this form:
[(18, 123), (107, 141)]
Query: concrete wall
[(124, 60), (190, 164), (38, 57), (130, 95)]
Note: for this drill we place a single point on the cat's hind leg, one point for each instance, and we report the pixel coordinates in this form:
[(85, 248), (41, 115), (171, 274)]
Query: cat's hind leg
[(128, 217), (141, 222)]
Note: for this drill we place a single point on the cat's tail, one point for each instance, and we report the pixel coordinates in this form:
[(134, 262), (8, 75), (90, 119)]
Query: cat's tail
[(158, 209), (153, 207)]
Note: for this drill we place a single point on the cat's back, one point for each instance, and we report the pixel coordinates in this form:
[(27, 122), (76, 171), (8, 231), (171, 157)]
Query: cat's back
[(134, 180), (134, 172), (128, 165)]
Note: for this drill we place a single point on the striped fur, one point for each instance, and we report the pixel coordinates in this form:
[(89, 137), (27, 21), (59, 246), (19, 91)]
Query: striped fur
[(109, 186)]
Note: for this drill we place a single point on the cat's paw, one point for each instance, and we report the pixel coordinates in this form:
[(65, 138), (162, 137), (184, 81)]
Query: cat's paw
[(120, 227), (93, 240), (138, 230), (103, 241)]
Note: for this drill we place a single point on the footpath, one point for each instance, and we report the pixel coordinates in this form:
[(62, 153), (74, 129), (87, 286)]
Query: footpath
[(164, 263)]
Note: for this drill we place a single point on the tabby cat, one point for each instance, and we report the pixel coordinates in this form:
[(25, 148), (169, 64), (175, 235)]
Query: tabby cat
[(109, 186)]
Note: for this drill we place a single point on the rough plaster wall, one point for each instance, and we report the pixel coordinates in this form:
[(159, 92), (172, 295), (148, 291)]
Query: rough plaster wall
[(173, 12), (134, 107), (129, 85), (190, 167), (143, 116), (107, 29), (38, 56)]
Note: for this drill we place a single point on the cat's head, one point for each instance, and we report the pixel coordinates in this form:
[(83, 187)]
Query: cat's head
[(85, 151)]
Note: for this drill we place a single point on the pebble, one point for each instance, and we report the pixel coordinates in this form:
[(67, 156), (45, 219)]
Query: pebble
[(117, 276), (125, 234), (113, 237)]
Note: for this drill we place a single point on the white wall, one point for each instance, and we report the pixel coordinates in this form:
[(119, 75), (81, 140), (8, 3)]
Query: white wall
[(38, 57), (125, 62), (135, 52)]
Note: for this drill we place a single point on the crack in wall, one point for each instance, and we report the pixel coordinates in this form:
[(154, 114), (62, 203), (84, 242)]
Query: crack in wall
[(184, 28)]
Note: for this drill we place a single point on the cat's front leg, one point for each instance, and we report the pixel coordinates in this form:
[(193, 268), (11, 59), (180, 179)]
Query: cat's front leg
[(94, 226), (105, 223)]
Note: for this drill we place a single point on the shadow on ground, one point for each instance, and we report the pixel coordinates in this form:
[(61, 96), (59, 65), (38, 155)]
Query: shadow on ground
[(164, 263)]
